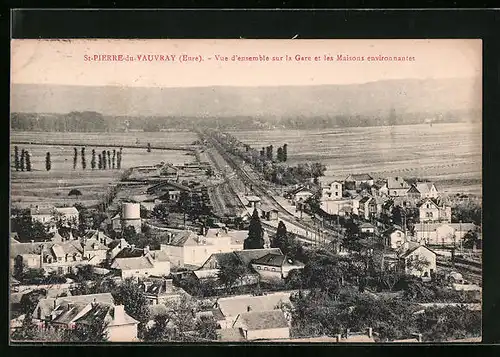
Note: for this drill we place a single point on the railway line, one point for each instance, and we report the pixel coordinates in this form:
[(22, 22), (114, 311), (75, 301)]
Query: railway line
[(255, 183)]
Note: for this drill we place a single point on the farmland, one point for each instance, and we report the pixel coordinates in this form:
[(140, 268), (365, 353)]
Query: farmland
[(52, 187), (449, 154)]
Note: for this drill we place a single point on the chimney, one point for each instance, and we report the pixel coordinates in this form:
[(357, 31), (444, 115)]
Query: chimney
[(123, 242), (119, 313), (93, 303), (370, 332), (32, 241), (338, 337), (347, 332), (249, 308), (146, 249), (419, 337), (206, 230), (132, 246)]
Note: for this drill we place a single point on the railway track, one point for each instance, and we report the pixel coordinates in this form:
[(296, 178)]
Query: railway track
[(250, 179)]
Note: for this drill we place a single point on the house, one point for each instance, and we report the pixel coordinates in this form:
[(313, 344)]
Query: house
[(138, 263), (95, 247), (69, 215), (336, 207), (69, 312), (244, 258), (332, 191), (394, 237), (375, 206), (61, 258), (394, 187), (419, 261), (421, 190), (430, 211), (227, 309), (269, 213), (275, 267), (365, 210), (300, 194), (357, 180), (442, 233), (43, 215), (256, 325), (367, 228), (189, 248), (161, 290)]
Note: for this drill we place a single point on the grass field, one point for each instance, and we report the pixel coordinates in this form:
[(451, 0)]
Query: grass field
[(52, 187), (449, 154)]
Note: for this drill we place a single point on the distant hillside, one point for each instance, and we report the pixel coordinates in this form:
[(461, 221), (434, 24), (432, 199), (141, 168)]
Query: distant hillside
[(273, 103)]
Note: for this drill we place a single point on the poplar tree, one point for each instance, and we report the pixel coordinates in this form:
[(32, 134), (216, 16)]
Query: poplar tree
[(255, 239), (21, 162), (48, 163), (16, 157), (92, 161)]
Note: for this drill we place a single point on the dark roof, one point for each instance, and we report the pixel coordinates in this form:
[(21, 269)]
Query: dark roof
[(248, 255), (364, 200), (270, 259), (130, 253), (393, 229), (433, 200), (263, 320), (411, 250), (360, 177), (181, 238), (167, 184)]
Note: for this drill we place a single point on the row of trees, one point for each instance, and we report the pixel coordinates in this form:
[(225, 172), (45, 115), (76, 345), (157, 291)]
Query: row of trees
[(107, 159), (276, 171), (22, 162)]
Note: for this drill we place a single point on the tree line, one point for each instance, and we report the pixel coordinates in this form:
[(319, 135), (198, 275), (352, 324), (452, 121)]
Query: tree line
[(22, 162), (274, 168)]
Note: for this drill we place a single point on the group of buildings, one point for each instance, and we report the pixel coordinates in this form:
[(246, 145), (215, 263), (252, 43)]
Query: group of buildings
[(360, 196)]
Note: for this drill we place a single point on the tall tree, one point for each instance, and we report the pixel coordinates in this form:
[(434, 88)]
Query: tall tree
[(84, 161), (109, 159), (104, 159), (48, 162), (119, 159), (149, 147), (279, 154), (16, 157), (92, 161), (132, 297), (113, 159), (75, 158), (255, 239), (184, 204), (285, 152), (28, 160), (21, 163), (281, 239), (100, 162)]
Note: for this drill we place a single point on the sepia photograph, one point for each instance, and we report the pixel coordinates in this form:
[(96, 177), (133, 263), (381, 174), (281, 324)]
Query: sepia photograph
[(245, 191)]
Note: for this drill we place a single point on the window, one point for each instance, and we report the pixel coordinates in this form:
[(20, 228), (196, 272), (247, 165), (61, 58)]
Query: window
[(265, 268), (428, 206), (258, 267), (398, 234), (60, 270), (273, 269), (336, 193), (395, 192)]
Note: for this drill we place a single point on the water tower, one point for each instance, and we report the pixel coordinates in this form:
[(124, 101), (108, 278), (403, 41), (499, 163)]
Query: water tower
[(131, 215)]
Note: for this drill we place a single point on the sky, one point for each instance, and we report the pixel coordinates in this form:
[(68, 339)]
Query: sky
[(63, 62)]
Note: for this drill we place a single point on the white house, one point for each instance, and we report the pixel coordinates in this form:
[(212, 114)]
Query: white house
[(422, 190), (419, 261), (394, 237), (357, 179), (140, 263), (300, 195), (430, 211), (332, 191), (189, 248), (442, 233)]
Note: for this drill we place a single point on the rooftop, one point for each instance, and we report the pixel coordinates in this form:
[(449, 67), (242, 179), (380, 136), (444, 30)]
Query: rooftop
[(235, 305), (263, 320)]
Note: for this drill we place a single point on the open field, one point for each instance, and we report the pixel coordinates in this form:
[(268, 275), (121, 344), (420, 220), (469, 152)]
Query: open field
[(52, 187), (171, 138), (449, 154)]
